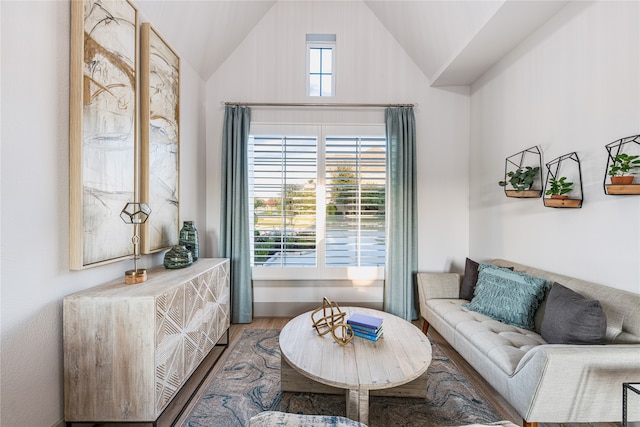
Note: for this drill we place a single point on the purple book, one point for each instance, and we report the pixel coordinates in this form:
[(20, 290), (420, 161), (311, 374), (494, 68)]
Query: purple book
[(364, 320)]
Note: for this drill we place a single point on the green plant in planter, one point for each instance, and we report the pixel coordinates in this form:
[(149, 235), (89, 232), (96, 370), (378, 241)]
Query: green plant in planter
[(521, 179), (558, 187), (624, 164)]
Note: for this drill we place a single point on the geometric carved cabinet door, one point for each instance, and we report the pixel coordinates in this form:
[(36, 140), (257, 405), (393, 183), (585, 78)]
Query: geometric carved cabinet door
[(189, 322)]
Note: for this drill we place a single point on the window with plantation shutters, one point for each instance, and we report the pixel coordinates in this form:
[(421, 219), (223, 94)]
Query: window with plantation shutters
[(355, 183), (317, 199), (282, 199)]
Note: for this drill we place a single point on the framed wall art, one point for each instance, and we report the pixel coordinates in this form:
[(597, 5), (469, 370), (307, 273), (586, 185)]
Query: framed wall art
[(160, 139), (103, 127)]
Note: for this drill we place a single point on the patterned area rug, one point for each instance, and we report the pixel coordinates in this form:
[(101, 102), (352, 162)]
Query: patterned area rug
[(249, 383)]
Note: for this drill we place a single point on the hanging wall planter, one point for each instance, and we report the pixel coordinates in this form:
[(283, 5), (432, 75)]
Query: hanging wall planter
[(522, 174), (564, 182), (623, 162)]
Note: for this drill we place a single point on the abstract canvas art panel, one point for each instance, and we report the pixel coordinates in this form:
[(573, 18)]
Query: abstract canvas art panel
[(103, 121), (160, 139)]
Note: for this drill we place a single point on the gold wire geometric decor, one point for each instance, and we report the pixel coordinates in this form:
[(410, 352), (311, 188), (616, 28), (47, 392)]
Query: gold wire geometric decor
[(332, 319)]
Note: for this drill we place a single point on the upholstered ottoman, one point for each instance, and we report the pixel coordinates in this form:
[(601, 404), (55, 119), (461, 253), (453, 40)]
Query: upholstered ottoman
[(283, 419)]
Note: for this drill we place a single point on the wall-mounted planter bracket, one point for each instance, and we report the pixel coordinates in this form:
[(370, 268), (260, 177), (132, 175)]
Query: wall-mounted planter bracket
[(530, 157), (574, 174), (613, 149)]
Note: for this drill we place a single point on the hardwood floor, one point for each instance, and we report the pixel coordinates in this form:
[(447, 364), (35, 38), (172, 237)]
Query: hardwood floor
[(505, 410)]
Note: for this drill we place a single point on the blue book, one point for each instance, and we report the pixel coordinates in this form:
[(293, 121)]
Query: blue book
[(364, 330), (367, 336), (363, 320)]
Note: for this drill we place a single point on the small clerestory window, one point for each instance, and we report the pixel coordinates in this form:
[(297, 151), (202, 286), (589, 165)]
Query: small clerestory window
[(321, 64)]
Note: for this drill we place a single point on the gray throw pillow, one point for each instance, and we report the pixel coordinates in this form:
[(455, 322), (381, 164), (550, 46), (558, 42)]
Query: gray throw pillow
[(570, 318), (469, 279)]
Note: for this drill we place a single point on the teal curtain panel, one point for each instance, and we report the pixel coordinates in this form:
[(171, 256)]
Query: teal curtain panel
[(234, 226), (401, 230)]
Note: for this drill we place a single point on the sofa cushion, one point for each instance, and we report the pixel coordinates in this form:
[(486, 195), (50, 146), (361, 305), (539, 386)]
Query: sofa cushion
[(505, 345), (570, 318), (622, 308), (508, 296)]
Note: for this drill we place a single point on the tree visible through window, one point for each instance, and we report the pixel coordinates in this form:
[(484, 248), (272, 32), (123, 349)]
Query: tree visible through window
[(282, 192), (317, 201), (355, 180)]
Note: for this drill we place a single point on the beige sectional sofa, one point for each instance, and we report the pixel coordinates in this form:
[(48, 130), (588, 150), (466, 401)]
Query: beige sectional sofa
[(550, 383)]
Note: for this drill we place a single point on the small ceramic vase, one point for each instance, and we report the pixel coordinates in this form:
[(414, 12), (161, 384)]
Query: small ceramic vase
[(177, 257)]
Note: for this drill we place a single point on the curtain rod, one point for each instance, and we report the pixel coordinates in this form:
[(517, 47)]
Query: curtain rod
[(304, 104)]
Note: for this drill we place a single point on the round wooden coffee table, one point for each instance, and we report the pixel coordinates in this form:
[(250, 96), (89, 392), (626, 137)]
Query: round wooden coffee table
[(399, 357)]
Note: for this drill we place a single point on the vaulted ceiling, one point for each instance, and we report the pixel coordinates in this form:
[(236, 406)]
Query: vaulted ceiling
[(453, 42)]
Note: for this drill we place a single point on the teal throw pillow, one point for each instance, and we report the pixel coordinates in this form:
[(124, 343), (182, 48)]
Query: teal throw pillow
[(470, 279), (508, 296)]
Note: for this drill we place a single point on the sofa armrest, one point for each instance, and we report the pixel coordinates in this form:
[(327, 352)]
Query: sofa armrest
[(574, 383), (438, 285)]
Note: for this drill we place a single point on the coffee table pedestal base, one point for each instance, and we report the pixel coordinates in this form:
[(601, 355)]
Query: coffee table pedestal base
[(358, 405), (294, 382)]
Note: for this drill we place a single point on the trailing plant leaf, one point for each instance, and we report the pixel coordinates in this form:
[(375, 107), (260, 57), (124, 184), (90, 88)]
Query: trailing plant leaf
[(521, 179)]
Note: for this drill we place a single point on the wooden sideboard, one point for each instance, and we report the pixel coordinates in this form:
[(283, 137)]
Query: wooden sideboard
[(129, 349)]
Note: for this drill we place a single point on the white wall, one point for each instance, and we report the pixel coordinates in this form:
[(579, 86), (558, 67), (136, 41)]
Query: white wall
[(574, 85), (269, 66), (192, 148), (35, 199)]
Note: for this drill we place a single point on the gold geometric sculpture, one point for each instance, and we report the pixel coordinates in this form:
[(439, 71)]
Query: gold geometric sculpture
[(332, 320)]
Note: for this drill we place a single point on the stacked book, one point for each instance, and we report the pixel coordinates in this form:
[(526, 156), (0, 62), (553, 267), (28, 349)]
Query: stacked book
[(364, 326)]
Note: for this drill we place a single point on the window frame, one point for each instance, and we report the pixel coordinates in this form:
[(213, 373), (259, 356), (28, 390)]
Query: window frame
[(321, 41), (364, 275)]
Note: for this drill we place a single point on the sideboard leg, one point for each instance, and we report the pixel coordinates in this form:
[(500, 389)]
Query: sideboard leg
[(526, 423)]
